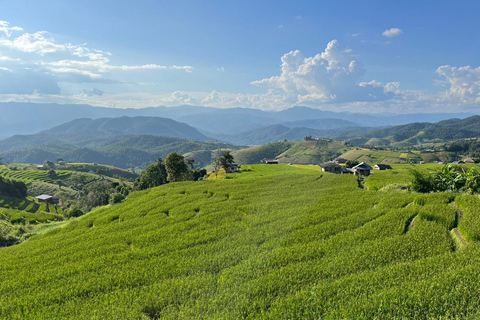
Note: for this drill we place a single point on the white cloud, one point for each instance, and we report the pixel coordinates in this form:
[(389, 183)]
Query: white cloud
[(40, 51), (4, 27), (464, 83), (373, 83), (392, 32), (330, 76)]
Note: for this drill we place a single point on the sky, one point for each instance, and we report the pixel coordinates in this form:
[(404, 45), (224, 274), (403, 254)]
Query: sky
[(356, 56)]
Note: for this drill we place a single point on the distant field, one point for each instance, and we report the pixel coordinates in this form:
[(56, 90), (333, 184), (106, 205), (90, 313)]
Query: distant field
[(381, 156), (29, 176)]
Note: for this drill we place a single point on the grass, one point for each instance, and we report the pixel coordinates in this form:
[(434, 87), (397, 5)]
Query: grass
[(274, 242)]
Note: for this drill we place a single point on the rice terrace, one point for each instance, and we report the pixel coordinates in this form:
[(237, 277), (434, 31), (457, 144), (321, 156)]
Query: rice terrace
[(270, 242), (180, 160)]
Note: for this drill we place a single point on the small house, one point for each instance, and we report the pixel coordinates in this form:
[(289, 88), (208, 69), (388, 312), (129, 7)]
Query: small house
[(42, 167), (331, 167), (269, 161), (233, 168), (45, 198), (362, 169), (382, 167), (469, 161)]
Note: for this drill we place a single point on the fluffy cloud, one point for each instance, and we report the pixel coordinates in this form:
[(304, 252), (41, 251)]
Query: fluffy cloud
[(392, 32), (64, 62), (330, 76), (464, 83)]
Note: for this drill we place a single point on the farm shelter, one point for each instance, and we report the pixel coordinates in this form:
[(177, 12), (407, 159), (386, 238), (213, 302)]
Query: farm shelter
[(42, 167), (382, 167), (331, 167), (362, 169), (269, 161), (233, 168), (48, 199)]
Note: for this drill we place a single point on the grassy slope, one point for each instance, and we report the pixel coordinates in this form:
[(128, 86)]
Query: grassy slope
[(274, 242), (381, 156)]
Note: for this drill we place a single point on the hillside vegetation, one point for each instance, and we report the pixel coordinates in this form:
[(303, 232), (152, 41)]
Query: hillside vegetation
[(121, 151), (276, 242)]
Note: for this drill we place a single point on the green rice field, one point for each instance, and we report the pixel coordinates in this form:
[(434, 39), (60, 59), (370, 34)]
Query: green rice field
[(274, 242)]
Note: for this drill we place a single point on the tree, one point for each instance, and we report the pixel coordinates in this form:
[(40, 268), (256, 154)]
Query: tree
[(49, 164), (190, 162), (154, 175), (177, 169), (225, 160), (351, 163)]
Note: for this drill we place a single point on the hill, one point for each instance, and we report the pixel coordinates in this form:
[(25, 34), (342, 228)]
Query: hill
[(28, 118), (121, 151), (303, 152), (129, 126), (423, 132), (271, 133), (274, 242)]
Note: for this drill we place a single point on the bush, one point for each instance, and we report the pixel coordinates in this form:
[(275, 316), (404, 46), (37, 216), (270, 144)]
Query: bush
[(73, 212), (116, 198)]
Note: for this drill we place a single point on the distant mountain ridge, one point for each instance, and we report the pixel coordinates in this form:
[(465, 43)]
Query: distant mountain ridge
[(130, 125), (28, 118), (419, 132)]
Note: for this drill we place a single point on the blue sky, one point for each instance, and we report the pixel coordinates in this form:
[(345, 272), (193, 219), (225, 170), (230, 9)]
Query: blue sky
[(362, 56)]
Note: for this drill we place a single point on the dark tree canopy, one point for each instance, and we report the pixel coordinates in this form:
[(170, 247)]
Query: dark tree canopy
[(177, 168), (12, 188), (225, 159), (154, 175)]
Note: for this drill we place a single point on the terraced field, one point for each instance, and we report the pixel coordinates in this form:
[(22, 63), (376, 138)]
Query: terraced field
[(275, 242), (29, 176), (382, 156)]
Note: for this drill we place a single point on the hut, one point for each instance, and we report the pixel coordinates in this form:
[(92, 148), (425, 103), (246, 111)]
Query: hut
[(362, 169)]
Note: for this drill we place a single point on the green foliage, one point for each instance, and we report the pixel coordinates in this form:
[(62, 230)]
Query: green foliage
[(176, 167), (225, 160), (448, 178), (421, 182), (154, 175), (199, 174), (49, 164), (12, 188), (74, 211), (95, 194), (351, 163), (116, 197)]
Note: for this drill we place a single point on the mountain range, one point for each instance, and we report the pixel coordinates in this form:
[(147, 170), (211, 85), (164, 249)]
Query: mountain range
[(28, 118)]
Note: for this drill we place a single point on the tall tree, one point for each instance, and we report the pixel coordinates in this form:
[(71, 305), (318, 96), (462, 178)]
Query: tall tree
[(154, 175), (225, 160), (177, 169)]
